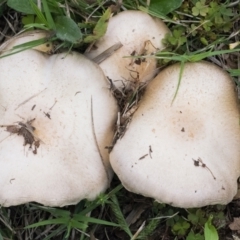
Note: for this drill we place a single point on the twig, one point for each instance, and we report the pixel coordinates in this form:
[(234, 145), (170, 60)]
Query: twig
[(33, 96), (143, 156), (139, 230), (199, 162), (107, 53), (96, 142), (53, 105), (233, 3)]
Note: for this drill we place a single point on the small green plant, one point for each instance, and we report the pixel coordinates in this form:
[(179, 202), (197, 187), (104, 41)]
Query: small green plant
[(210, 231), (206, 21), (194, 224), (65, 26), (79, 219), (193, 236), (177, 38), (181, 227), (197, 217), (200, 9)]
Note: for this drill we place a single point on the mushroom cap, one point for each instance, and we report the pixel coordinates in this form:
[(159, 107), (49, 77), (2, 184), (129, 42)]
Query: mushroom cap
[(74, 116), (28, 37), (139, 34), (184, 153)]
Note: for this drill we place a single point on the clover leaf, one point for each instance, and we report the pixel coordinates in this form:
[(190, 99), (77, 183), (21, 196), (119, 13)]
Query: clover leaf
[(193, 236), (180, 228), (200, 9)]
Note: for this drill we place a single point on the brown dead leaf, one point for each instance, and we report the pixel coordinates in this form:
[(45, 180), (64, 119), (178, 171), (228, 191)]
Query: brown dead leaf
[(235, 237), (235, 225)]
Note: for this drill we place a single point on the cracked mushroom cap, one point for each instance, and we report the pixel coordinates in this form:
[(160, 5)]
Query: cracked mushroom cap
[(139, 34), (184, 153), (57, 117)]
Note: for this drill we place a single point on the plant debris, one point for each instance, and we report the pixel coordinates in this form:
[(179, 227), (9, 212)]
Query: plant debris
[(128, 99), (200, 163), (26, 130)]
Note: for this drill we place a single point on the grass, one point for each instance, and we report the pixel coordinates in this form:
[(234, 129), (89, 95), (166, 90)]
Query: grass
[(201, 30)]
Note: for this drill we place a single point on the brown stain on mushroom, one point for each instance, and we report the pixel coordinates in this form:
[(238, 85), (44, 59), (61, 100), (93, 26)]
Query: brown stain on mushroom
[(186, 124), (46, 131)]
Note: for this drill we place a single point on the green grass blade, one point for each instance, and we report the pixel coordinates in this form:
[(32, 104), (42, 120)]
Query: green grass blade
[(56, 232), (22, 47), (76, 224), (179, 81), (55, 211), (156, 14), (194, 56), (101, 201), (115, 190), (39, 13), (63, 220), (200, 56), (48, 15), (35, 25), (79, 217), (234, 72), (69, 229), (119, 216), (91, 206), (54, 7), (30, 44)]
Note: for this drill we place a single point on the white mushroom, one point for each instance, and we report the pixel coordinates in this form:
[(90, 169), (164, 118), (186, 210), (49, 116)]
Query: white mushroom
[(184, 153), (29, 36), (139, 34), (56, 117)]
